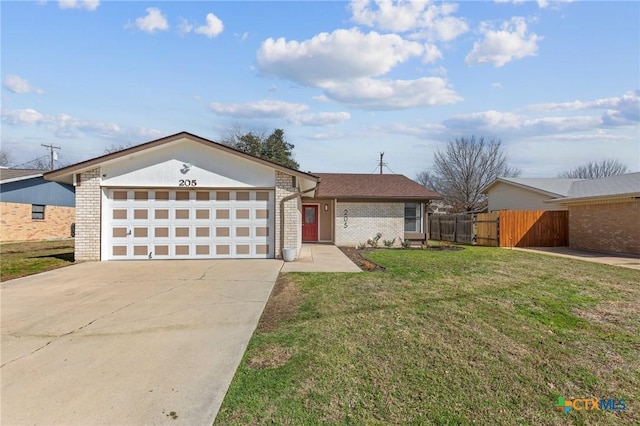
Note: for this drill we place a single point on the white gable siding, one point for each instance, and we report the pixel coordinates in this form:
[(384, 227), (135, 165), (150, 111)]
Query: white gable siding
[(163, 167), (503, 196)]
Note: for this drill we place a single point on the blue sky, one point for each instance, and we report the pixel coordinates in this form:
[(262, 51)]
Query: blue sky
[(557, 82)]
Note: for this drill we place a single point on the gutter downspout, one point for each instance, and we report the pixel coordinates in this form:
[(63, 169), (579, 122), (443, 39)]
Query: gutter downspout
[(284, 200)]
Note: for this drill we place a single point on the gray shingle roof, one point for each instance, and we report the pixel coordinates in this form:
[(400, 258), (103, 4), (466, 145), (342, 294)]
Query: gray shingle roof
[(621, 185), (15, 174), (553, 186)]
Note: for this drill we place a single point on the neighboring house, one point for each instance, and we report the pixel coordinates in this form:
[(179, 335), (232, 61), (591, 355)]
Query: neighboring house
[(32, 208), (186, 197), (349, 209), (526, 193), (604, 214)]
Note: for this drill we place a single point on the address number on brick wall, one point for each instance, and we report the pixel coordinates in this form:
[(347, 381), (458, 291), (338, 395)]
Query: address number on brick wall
[(346, 218)]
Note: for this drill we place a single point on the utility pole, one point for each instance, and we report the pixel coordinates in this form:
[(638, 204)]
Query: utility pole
[(381, 163), (54, 155)]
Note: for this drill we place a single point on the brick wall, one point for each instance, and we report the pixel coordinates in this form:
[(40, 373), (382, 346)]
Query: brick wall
[(606, 226), (292, 215), (88, 207), (16, 223), (365, 219)]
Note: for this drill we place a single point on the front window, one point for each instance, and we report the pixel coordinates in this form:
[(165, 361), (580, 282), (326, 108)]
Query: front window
[(37, 212), (412, 217)]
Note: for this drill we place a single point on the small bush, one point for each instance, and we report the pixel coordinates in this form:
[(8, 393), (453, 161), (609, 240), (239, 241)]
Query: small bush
[(389, 243), (405, 244), (362, 246), (373, 242)]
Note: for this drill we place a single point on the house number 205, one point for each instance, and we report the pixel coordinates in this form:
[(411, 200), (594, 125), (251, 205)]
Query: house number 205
[(346, 218), (187, 182)]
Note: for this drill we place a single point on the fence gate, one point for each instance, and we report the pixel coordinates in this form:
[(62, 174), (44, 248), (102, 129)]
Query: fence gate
[(488, 229)]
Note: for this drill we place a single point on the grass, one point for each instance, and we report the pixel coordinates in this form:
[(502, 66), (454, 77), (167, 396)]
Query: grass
[(28, 258), (483, 335)]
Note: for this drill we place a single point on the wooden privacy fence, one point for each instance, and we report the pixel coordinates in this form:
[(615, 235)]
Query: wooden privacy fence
[(506, 228), (534, 228), (488, 229), (457, 228)]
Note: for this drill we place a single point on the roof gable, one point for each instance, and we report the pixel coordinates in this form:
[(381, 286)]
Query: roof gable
[(554, 187), (372, 186), (65, 174)]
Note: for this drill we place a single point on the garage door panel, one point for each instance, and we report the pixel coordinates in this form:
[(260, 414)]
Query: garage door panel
[(175, 224)]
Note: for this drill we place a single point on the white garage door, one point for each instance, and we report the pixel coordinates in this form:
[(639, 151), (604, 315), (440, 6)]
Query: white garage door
[(188, 224)]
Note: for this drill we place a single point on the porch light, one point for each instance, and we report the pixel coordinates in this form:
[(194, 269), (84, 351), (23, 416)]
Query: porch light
[(326, 207)]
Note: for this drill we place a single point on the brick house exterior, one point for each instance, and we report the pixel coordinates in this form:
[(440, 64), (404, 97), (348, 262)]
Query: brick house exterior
[(605, 225), (604, 214), (185, 197), (34, 209)]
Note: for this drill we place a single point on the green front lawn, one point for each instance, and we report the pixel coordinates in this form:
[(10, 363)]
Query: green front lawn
[(28, 258), (483, 335)]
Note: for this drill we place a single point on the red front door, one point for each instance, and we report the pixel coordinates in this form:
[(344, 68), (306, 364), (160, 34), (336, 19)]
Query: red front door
[(309, 223)]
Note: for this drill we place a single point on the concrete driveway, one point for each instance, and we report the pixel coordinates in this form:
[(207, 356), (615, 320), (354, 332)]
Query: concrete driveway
[(131, 343)]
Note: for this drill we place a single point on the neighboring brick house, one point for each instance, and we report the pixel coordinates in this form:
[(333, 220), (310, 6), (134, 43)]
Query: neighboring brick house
[(186, 197), (32, 208), (604, 214)]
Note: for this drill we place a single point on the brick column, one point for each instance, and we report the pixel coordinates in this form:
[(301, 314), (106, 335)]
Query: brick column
[(88, 211), (292, 219)]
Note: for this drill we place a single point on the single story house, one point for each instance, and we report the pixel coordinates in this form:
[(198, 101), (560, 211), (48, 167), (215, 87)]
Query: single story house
[(32, 208), (604, 214), (186, 197), (526, 193)]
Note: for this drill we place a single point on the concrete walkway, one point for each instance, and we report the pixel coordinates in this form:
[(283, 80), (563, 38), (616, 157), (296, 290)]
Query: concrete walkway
[(623, 260), (128, 343), (321, 258)]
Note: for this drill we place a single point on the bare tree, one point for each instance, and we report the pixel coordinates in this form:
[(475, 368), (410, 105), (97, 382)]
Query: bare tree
[(595, 170), (468, 165), (115, 147), (429, 180), (6, 159)]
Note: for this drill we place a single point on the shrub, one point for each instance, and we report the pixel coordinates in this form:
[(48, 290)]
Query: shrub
[(405, 244), (389, 243), (373, 242), (362, 246)]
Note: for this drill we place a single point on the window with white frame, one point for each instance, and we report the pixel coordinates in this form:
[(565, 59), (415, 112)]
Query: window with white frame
[(413, 217), (37, 212)]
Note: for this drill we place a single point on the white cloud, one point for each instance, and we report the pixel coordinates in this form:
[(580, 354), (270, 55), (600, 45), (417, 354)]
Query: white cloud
[(320, 119), (498, 47), (22, 116), (393, 94), (619, 111), (212, 28), (62, 125), (259, 109), (184, 27), (501, 123), (82, 4), (153, 21), (496, 85), (429, 20), (17, 84), (431, 53), (342, 54), (542, 4)]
